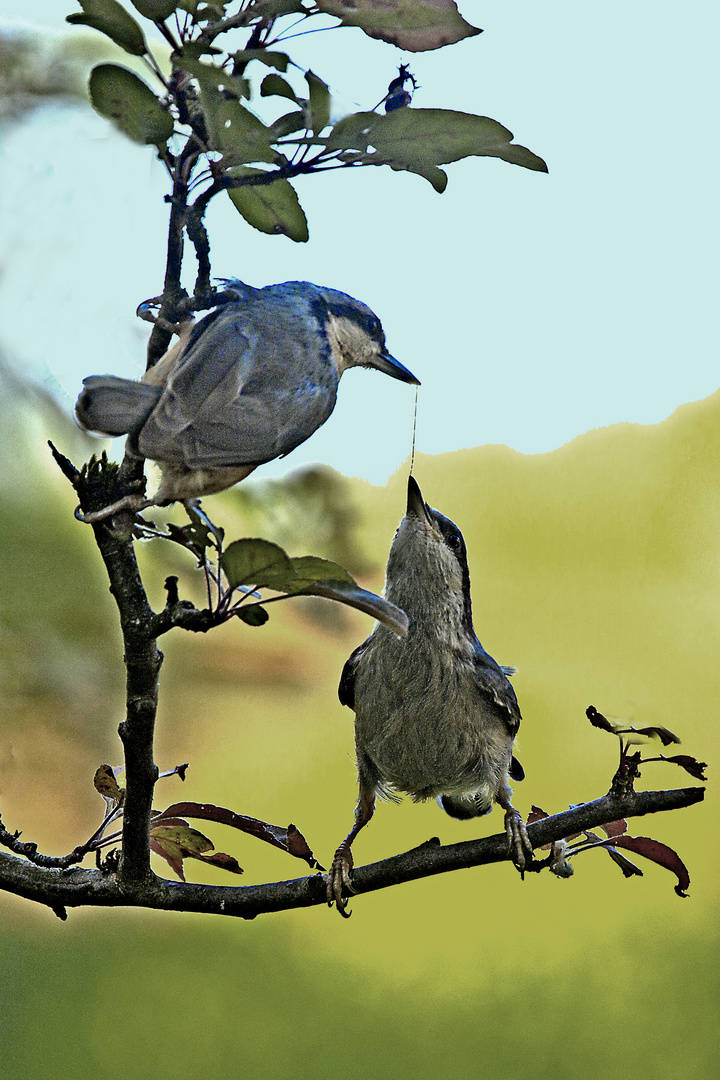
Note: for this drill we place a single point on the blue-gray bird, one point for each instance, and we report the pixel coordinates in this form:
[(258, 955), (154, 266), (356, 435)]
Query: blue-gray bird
[(435, 715), (245, 384)]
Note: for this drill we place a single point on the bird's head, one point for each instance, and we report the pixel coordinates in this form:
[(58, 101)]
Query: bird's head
[(427, 569), (356, 336)]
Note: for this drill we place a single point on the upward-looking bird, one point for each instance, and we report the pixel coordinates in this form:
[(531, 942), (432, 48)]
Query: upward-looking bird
[(435, 715), (245, 384)]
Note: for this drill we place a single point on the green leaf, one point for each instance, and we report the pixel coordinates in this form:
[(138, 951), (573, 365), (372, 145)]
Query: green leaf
[(190, 840), (156, 10), (417, 138), (353, 596), (278, 60), (253, 616), (287, 124), (255, 562), (276, 86), (234, 130), (209, 75), (412, 25), (270, 208), (122, 97), (105, 782), (111, 19), (314, 569), (318, 103), (275, 9)]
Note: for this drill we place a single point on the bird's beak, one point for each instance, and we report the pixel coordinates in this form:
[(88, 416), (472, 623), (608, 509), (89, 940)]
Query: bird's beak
[(390, 366), (415, 503)]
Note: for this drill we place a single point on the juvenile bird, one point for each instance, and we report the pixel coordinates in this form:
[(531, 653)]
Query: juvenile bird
[(435, 715), (245, 384)]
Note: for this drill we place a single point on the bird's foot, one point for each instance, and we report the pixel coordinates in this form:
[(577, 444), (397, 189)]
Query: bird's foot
[(129, 504), (339, 878), (518, 840)]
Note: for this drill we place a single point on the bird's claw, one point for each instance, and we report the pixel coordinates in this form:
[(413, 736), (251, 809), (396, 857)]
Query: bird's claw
[(518, 840), (338, 878), (129, 504)]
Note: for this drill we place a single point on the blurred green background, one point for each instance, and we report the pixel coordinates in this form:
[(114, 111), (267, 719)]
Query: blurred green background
[(595, 572)]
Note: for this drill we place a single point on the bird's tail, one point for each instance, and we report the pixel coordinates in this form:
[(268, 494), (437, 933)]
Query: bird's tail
[(114, 406), (466, 806)]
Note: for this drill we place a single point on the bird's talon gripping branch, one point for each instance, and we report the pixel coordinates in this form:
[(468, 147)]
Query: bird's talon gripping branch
[(339, 879), (518, 840), (129, 504)]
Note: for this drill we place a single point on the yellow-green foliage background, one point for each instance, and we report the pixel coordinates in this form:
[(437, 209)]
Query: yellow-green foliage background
[(595, 571)]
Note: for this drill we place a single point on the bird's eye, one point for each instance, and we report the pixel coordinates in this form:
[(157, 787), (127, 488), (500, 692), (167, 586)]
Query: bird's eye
[(454, 541)]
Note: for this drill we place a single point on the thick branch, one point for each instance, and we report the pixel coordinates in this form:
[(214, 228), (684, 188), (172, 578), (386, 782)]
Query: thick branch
[(78, 887)]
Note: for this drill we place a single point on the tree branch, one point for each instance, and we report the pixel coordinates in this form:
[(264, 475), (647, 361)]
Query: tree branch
[(76, 887)]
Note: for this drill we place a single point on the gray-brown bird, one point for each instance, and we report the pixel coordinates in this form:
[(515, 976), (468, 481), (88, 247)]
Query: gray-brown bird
[(245, 384), (435, 715)]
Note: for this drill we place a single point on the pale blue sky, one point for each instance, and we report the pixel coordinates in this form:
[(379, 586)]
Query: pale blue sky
[(532, 307)]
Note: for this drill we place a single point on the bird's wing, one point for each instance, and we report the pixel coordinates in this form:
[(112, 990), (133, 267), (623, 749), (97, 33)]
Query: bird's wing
[(346, 688), (491, 679), (243, 391)]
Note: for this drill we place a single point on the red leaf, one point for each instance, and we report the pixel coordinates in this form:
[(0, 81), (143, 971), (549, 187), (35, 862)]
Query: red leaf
[(615, 828), (290, 839), (628, 868), (690, 764), (223, 861), (536, 814), (598, 720), (660, 854)]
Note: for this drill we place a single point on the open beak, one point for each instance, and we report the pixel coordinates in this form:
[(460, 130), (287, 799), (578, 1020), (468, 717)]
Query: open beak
[(415, 503), (390, 366)]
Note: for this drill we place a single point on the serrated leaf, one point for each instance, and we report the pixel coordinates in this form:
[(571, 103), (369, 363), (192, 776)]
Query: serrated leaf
[(418, 138), (275, 86), (156, 10), (111, 19), (412, 25), (278, 60), (270, 208), (122, 97), (318, 103), (660, 854), (256, 562), (254, 615)]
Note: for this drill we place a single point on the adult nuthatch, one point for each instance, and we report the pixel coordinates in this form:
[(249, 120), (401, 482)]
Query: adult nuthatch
[(247, 383), (435, 715)]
